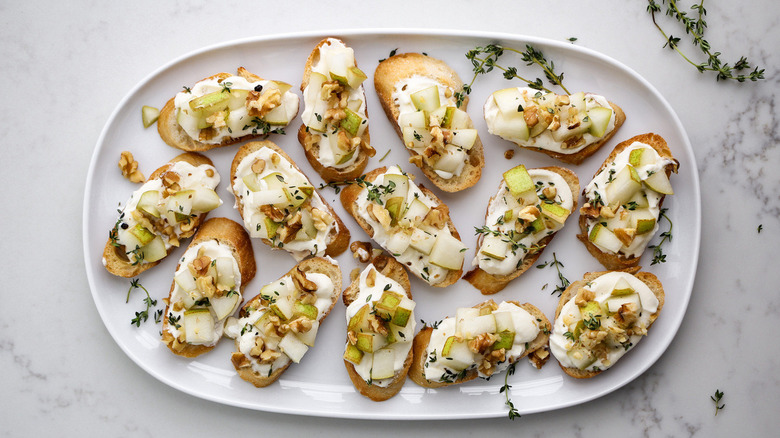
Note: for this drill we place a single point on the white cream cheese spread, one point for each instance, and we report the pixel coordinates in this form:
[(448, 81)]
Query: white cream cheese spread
[(466, 341), (217, 110), (603, 321), (558, 123), (625, 200), (284, 324), (410, 225), (335, 105), (280, 204), (154, 217), (509, 236), (381, 323), (206, 292)]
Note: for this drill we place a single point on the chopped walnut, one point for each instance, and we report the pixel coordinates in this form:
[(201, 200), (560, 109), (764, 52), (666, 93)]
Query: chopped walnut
[(276, 159), (343, 142), (301, 282), (352, 337), (550, 192), (240, 360), (206, 286), (272, 213), (482, 342), (509, 153), (258, 348), (322, 219), (379, 214), (269, 356), (186, 226), (377, 324), (436, 217), (217, 119), (200, 266), (530, 114), (555, 123), (178, 306), (259, 104), (258, 165), (361, 251), (129, 167), (371, 278), (626, 315), (606, 212), (330, 88), (562, 99), (207, 133), (417, 160), (573, 142), (625, 235), (539, 357), (310, 141), (583, 296), (528, 214), (589, 210), (300, 325), (335, 114)]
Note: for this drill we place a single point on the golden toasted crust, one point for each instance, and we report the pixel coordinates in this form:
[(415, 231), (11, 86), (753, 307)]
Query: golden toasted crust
[(587, 151), (649, 279), (331, 174), (172, 133), (423, 338), (339, 236), (314, 264), (492, 283), (349, 196), (115, 260), (399, 67), (616, 261), (390, 268), (229, 233)]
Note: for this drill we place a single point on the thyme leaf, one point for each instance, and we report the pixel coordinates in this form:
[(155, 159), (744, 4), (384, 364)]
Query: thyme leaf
[(658, 253), (695, 27), (716, 398), (143, 315)]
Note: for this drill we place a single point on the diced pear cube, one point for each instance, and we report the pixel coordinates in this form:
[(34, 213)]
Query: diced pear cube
[(495, 247), (464, 138), (383, 364), (224, 306), (310, 336), (604, 238), (624, 186), (599, 118), (370, 342), (510, 102), (353, 354), (473, 327), (447, 252), (555, 212), (459, 357), (416, 137), (226, 277), (185, 280), (426, 99), (615, 302), (659, 182), (154, 250), (504, 321), (413, 119), (293, 347), (422, 241), (198, 326)]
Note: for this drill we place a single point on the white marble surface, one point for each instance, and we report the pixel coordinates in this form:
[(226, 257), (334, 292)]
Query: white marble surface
[(62, 372)]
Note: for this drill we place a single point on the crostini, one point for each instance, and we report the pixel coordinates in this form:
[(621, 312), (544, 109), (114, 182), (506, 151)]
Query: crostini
[(623, 201), (602, 317), (478, 341), (417, 93), (409, 222), (569, 128), (280, 206), (224, 109), (167, 209), (380, 329), (334, 134), (207, 287), (278, 326), (521, 220)]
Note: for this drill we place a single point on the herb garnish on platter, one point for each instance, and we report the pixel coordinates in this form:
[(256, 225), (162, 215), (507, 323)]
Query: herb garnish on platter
[(695, 27)]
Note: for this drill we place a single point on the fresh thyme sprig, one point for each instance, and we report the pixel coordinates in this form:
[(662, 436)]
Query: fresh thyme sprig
[(558, 265), (695, 27), (658, 254), (513, 413), (484, 60), (760, 227), (716, 398), (143, 315)]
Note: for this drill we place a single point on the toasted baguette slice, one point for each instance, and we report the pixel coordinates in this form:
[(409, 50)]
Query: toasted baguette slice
[(320, 265), (174, 135), (423, 338), (114, 255), (492, 283), (571, 158), (390, 268), (647, 278), (407, 65), (617, 261), (349, 199), (231, 236), (310, 138), (337, 239)]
